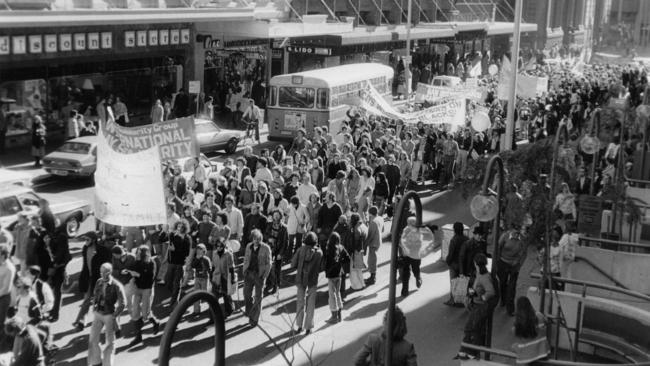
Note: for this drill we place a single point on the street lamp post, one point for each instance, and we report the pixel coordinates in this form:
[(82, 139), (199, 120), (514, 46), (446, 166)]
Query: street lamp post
[(399, 222), (485, 208)]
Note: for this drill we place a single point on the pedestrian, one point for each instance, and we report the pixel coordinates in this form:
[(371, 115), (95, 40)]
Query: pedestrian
[(37, 253), (409, 250), (94, 254), (72, 129), (23, 238), (235, 219), (4, 126), (48, 220), (121, 112), (108, 303), (180, 243), (297, 222), (6, 237), (202, 267), (512, 253), (252, 115), (374, 350), (255, 220), (224, 278), (469, 250), (336, 258), (157, 112), (328, 216), (307, 262), (530, 331), (481, 303), (220, 231), (7, 274), (123, 262), (355, 244), (373, 242), (453, 256), (277, 238), (257, 266), (39, 140), (143, 273), (27, 346)]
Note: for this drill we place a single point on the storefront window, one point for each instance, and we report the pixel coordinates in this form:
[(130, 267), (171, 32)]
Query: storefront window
[(292, 97), (137, 89), (29, 99), (322, 99)]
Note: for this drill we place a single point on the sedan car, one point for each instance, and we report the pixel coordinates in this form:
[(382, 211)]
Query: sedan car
[(210, 137), (76, 157), (70, 211)]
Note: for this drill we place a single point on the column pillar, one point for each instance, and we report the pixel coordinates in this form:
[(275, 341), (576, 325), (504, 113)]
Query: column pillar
[(619, 16)]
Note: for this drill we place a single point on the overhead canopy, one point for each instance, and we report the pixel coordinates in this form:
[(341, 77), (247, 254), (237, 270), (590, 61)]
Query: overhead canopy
[(498, 28), (18, 18)]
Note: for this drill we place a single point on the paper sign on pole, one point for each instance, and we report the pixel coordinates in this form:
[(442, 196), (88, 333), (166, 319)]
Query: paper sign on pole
[(194, 87), (176, 138), (129, 187)]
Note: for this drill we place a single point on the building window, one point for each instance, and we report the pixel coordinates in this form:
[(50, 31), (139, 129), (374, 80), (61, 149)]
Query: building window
[(29, 100), (293, 97)]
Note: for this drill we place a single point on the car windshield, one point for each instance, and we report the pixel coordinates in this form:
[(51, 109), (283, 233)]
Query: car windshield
[(75, 148), (9, 206), (206, 128)]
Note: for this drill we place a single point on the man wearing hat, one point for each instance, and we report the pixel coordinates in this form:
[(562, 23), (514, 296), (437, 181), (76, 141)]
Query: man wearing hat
[(253, 115), (475, 245)]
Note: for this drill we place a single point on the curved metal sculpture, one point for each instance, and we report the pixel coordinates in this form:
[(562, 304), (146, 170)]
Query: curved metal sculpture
[(399, 222), (175, 318)]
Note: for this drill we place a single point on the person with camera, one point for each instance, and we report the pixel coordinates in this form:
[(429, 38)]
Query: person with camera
[(512, 253)]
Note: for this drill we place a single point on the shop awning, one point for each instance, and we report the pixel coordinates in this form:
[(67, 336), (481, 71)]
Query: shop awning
[(11, 19), (425, 33), (498, 28), (273, 30), (362, 35)]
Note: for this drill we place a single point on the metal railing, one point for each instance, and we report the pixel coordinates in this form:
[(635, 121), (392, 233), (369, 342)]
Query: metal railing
[(614, 245)]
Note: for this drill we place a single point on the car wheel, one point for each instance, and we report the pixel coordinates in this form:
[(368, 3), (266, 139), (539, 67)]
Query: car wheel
[(231, 148), (72, 227)]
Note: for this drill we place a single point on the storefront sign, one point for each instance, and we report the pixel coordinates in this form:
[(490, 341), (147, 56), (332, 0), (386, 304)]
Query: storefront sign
[(176, 138), (322, 51), (194, 87), (590, 212), (245, 43)]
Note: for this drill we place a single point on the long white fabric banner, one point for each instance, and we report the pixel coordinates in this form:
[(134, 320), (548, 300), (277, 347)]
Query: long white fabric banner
[(129, 187), (451, 112), (430, 93), (527, 86)]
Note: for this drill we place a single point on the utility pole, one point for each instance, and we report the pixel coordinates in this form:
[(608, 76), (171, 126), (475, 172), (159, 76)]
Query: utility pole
[(512, 93), (407, 63)]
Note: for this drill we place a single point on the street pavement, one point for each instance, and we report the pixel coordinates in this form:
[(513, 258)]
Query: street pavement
[(435, 329)]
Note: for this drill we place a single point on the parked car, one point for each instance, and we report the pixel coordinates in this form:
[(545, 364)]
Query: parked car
[(449, 81), (211, 137), (70, 211), (76, 158)]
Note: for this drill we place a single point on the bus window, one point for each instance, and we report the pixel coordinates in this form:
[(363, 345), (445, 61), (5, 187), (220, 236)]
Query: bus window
[(292, 97), (322, 99), (274, 96)]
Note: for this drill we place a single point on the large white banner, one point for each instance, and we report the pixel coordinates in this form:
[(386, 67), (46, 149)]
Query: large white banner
[(527, 86), (129, 187), (451, 112), (430, 93)]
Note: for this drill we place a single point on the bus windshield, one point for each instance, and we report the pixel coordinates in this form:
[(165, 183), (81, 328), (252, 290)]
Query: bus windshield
[(293, 97)]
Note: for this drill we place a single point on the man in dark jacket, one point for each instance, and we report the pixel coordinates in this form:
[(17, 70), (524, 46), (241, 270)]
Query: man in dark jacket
[(393, 175), (28, 348), (453, 255), (254, 220), (108, 303), (307, 262), (59, 249), (94, 253), (328, 216), (469, 250)]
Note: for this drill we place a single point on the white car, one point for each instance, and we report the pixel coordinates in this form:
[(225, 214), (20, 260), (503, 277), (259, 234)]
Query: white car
[(76, 157), (70, 211)]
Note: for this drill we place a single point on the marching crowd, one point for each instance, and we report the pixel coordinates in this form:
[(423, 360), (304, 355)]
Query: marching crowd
[(317, 207)]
